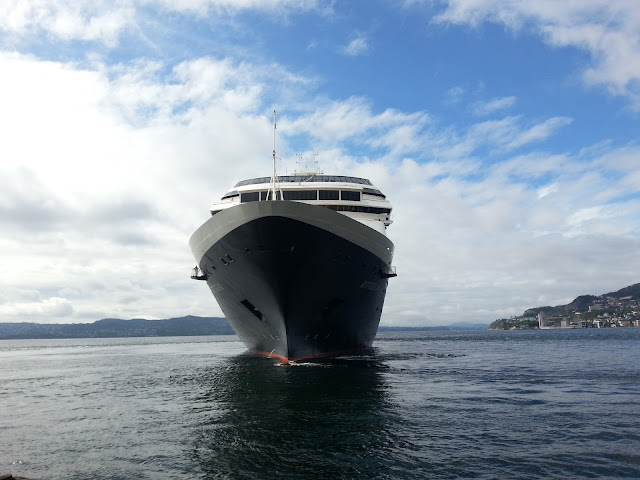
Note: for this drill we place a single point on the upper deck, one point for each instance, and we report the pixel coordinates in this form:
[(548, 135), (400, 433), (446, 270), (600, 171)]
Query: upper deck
[(304, 177), (352, 196)]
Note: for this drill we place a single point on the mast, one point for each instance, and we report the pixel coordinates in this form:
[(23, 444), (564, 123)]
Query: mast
[(275, 184)]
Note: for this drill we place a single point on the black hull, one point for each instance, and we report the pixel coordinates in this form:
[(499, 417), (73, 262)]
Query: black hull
[(290, 283)]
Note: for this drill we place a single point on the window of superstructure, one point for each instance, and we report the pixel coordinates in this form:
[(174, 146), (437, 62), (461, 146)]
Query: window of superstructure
[(266, 195), (350, 195), (373, 191), (249, 197), (329, 195), (231, 194), (303, 178), (253, 181), (300, 194), (359, 208)]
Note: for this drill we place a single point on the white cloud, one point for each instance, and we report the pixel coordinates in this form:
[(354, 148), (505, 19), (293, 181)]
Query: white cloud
[(100, 180), (336, 121), (203, 7), (508, 133), (539, 131), (454, 95), (359, 45), (81, 20), (608, 31), (494, 105), (547, 190), (495, 242), (99, 209), (48, 310), (107, 169), (104, 21)]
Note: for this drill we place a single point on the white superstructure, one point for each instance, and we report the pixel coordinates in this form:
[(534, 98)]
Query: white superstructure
[(351, 196)]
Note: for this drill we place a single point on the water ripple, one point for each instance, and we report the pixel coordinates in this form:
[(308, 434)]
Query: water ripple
[(539, 405)]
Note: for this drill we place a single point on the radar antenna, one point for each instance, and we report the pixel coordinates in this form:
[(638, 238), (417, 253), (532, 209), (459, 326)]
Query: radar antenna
[(307, 164)]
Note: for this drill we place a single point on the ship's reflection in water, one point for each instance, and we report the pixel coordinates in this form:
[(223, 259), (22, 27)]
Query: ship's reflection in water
[(322, 420)]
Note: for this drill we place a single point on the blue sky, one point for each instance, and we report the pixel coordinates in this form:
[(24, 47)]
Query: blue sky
[(504, 133)]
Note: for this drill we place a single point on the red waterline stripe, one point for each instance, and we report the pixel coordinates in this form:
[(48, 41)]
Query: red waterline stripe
[(270, 355), (336, 353)]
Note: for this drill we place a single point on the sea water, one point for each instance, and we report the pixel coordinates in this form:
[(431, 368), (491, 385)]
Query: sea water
[(436, 404)]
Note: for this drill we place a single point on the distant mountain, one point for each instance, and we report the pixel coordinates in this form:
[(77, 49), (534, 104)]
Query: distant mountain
[(579, 304), (626, 299), (632, 291), (582, 303), (392, 328), (115, 327), (172, 327), (468, 326), (453, 326)]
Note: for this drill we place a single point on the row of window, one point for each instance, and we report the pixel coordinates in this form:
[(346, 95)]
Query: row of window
[(301, 195), (310, 194), (373, 191), (347, 208), (304, 178), (358, 208)]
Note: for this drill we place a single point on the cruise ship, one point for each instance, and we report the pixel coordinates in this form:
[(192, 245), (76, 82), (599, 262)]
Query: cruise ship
[(299, 264)]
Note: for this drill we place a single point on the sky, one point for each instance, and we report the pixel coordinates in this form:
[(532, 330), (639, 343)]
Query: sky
[(505, 133)]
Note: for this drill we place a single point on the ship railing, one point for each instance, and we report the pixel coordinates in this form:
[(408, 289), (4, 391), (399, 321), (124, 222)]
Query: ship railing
[(198, 274), (390, 272)]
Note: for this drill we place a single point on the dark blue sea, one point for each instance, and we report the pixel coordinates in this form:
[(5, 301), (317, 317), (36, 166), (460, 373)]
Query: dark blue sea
[(552, 404)]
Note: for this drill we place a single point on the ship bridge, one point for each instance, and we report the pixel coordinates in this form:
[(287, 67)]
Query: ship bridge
[(351, 196)]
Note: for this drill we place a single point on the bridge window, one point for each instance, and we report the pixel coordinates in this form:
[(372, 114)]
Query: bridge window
[(358, 208), (373, 191), (267, 195), (350, 195), (329, 195), (230, 195), (249, 197), (300, 194)]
